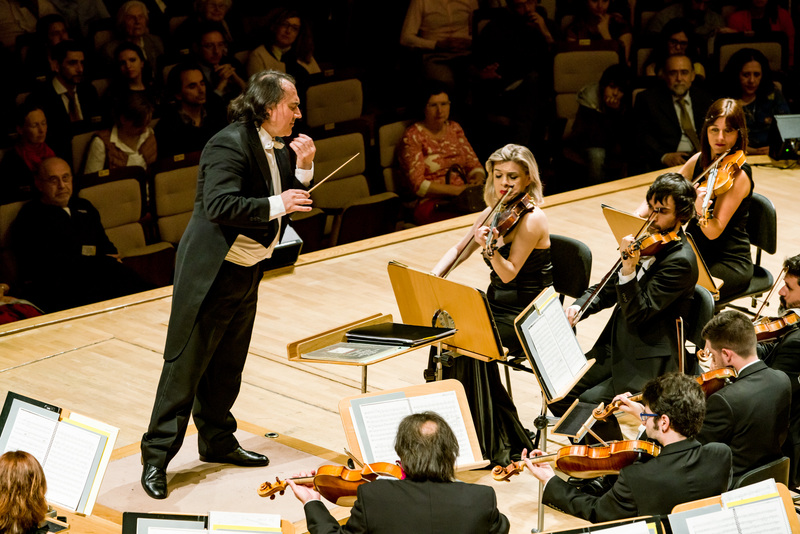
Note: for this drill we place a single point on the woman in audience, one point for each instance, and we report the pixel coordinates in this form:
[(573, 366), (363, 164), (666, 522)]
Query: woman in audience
[(438, 161), (205, 11), (133, 26), (675, 38), (520, 269), (129, 142), (131, 74), (288, 47), (594, 22), (748, 78), (601, 132), (23, 506), (764, 16), (21, 163)]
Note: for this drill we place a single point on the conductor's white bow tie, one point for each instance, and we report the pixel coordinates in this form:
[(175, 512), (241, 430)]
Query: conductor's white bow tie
[(274, 143)]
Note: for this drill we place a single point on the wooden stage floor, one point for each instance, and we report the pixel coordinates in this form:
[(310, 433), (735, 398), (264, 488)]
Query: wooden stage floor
[(104, 360)]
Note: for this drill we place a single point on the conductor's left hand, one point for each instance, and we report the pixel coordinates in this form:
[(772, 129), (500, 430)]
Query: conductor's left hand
[(304, 147)]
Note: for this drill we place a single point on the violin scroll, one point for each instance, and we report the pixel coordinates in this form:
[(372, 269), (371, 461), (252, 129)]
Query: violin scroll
[(505, 473), (269, 489)]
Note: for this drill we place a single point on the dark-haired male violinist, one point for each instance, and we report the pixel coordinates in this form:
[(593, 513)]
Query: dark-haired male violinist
[(247, 182)]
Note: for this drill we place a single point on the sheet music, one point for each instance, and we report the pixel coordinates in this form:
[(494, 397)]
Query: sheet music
[(766, 489), (550, 355), (243, 522), (31, 433), (446, 405), (722, 522), (569, 347), (381, 420), (764, 517), (69, 464)]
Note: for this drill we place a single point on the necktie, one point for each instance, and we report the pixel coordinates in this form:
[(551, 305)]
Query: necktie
[(74, 116), (686, 126)]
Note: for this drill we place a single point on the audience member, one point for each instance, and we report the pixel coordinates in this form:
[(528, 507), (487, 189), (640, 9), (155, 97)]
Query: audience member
[(676, 38), (442, 31), (754, 434), (763, 16), (428, 449), (133, 26), (21, 163), (81, 14), (23, 506), (224, 73), (513, 71), (194, 114), (70, 104), (667, 116), (50, 30), (15, 309), (18, 17), (62, 250), (436, 157), (672, 411), (601, 133), (705, 22), (287, 47), (594, 22), (748, 78), (131, 74), (203, 12), (129, 142)]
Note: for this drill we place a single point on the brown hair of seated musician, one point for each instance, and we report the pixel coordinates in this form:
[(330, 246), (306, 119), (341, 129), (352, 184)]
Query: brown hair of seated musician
[(22, 493), (680, 399), (427, 448)]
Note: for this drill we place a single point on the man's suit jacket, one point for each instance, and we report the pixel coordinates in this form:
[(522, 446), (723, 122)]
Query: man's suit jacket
[(751, 415), (658, 126), (784, 355), (59, 128), (402, 506), (682, 472), (641, 333), (233, 186)]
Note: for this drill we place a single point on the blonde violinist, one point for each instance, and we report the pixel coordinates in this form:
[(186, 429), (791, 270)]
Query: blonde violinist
[(515, 244)]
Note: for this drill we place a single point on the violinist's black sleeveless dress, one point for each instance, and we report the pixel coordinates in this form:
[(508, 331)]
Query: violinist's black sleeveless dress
[(728, 256), (500, 432)]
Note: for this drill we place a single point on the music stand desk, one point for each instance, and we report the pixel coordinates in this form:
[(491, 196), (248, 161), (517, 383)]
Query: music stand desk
[(296, 349)]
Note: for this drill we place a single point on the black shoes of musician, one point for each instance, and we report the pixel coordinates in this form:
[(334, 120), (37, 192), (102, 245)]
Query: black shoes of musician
[(154, 481), (240, 457)]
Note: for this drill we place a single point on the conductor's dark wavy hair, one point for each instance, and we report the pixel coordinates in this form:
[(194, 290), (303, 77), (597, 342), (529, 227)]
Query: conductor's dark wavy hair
[(427, 451), (264, 90), (679, 397), (674, 185)]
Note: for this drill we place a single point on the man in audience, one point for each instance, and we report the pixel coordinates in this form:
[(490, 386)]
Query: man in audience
[(428, 499), (672, 410), (133, 26), (669, 116), (782, 352), (62, 250), (224, 74), (196, 114), (70, 103), (752, 414)]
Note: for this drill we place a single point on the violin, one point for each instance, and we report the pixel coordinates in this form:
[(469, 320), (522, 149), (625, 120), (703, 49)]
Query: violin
[(651, 244), (771, 328), (504, 221), (718, 179), (335, 483), (583, 461)]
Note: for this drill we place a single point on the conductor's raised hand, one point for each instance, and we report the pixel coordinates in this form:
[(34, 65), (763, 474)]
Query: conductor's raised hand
[(296, 200), (304, 147), (304, 492)]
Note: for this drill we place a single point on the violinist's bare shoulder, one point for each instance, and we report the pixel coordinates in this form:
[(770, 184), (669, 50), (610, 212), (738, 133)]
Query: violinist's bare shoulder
[(688, 168), (536, 225)]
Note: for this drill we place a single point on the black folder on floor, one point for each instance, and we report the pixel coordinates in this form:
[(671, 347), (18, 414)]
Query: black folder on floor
[(406, 335)]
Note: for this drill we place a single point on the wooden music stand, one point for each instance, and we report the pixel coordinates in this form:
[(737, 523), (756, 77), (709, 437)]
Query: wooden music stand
[(424, 299), (623, 223), (348, 405)]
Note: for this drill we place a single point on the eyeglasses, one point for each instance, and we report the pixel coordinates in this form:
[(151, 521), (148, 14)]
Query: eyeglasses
[(678, 42), (643, 416), (289, 26)]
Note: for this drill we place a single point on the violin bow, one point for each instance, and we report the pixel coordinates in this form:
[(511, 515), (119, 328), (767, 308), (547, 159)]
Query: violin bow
[(459, 257), (337, 169), (769, 295), (712, 166), (608, 275)]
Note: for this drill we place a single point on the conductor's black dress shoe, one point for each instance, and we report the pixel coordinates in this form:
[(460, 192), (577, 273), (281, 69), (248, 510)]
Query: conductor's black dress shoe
[(154, 481), (239, 457)]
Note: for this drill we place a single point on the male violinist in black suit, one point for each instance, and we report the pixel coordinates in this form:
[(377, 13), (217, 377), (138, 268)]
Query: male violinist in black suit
[(752, 414), (672, 413), (783, 354), (246, 184), (429, 499), (639, 341)]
